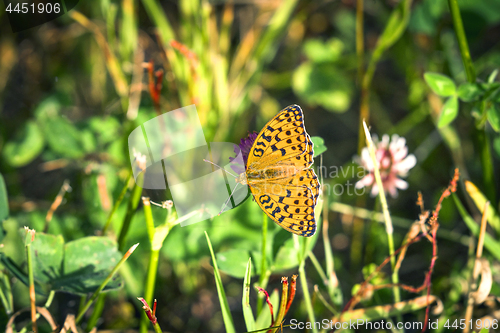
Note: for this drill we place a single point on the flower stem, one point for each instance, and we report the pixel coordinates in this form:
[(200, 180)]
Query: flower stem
[(484, 145), (462, 40), (117, 203), (307, 296), (263, 262), (132, 206), (385, 210), (29, 254), (154, 256)]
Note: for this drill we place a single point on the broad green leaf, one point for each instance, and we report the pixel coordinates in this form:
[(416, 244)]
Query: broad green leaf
[(449, 112), (26, 146), (245, 301), (226, 312), (440, 84), (319, 145), (480, 200), (4, 202), (48, 253), (48, 108), (77, 267), (494, 117), (62, 137), (318, 51), (469, 92), (233, 262), (287, 256), (323, 84), (87, 262)]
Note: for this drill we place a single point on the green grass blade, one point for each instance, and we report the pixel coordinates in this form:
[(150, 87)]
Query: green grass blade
[(489, 242), (226, 314), (245, 302)]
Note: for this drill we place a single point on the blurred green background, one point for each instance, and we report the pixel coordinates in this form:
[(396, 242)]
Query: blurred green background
[(72, 89)]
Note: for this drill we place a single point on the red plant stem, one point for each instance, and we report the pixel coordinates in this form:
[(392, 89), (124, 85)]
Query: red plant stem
[(147, 309), (432, 237), (268, 303), (293, 289)]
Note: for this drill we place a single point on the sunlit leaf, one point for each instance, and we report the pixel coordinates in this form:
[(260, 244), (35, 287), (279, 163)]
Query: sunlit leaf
[(319, 51), (449, 112), (494, 117), (319, 145), (469, 92), (26, 146), (440, 84), (233, 262), (323, 84)]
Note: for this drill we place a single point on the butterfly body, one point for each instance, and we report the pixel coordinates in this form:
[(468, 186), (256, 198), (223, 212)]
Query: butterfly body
[(279, 175)]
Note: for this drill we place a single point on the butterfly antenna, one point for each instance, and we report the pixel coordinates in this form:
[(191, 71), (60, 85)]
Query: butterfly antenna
[(221, 168), (225, 204)]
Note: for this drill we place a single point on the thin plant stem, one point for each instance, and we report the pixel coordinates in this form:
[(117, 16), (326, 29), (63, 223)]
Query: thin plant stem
[(307, 296), (364, 110), (385, 210), (154, 256), (96, 312), (360, 46), (150, 285), (263, 262), (117, 203), (104, 283), (476, 269), (132, 206), (29, 254), (482, 138), (3, 298), (462, 40)]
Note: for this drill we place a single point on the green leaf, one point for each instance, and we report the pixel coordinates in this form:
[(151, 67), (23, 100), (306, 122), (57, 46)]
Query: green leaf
[(319, 145), (494, 117), (62, 137), (226, 312), (233, 262), (4, 202), (396, 25), (87, 262), (318, 51), (469, 92), (245, 301), (77, 267), (440, 84), (26, 146), (287, 256), (493, 76), (449, 112), (323, 84)]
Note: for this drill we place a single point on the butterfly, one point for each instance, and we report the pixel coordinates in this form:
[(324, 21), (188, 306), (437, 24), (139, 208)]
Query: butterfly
[(279, 175)]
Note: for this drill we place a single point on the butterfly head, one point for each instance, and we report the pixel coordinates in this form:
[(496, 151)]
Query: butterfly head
[(242, 179)]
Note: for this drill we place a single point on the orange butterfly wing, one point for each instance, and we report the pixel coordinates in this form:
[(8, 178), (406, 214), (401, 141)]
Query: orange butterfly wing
[(279, 175)]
